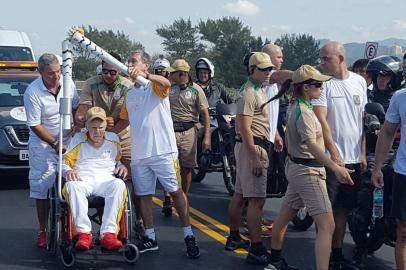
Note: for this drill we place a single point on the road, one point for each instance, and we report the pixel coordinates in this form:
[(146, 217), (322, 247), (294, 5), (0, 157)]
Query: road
[(209, 202)]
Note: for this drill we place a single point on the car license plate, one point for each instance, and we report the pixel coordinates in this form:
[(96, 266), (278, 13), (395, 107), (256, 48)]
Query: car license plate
[(24, 155)]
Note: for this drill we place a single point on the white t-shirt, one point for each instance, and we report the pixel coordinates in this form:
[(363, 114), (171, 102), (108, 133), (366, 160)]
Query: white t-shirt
[(271, 90), (345, 101), (149, 113), (42, 108), (396, 114)]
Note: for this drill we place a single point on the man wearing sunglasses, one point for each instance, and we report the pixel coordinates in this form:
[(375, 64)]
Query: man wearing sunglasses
[(340, 111), (188, 103), (107, 91), (252, 144)]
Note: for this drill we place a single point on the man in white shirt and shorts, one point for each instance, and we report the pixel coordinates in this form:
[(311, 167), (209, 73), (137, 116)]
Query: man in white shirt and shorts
[(340, 111), (153, 149)]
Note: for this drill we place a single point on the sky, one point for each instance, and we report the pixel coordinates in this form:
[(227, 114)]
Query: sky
[(47, 21)]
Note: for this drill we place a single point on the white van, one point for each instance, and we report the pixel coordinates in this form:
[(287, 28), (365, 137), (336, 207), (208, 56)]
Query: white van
[(15, 46)]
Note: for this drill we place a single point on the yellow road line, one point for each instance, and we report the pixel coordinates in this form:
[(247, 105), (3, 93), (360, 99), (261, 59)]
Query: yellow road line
[(205, 229)]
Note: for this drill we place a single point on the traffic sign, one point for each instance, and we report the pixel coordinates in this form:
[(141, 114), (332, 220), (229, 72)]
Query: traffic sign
[(371, 49)]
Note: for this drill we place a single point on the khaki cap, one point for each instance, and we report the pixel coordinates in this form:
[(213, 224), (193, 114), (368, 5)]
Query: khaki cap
[(95, 112), (179, 65), (260, 60), (306, 73)]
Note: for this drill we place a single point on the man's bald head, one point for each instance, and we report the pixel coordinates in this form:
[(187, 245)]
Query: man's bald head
[(275, 52), (333, 58)]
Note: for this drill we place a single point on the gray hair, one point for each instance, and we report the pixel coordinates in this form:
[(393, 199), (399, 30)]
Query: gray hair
[(146, 58), (47, 59)]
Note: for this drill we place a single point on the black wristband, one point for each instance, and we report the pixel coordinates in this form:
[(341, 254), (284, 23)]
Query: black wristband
[(54, 144), (147, 75)]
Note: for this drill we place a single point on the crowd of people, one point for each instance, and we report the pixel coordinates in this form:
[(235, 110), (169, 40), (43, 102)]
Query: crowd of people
[(125, 130)]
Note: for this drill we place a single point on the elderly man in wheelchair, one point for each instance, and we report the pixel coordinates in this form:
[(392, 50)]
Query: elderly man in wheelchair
[(92, 167)]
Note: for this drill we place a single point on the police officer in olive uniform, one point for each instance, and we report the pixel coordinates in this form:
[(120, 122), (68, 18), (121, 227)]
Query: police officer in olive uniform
[(188, 101), (107, 91)]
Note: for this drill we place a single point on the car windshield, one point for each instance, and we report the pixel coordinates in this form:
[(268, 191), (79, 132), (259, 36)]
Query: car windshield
[(15, 54), (12, 90)]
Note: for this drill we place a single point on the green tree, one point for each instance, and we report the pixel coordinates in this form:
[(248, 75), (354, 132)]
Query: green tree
[(85, 66), (230, 40), (299, 49), (181, 40)]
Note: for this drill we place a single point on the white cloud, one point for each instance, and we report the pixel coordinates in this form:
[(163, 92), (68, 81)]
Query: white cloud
[(242, 8), (129, 20)]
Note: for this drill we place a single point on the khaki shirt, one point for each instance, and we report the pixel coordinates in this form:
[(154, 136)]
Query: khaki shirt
[(187, 104), (252, 96), (96, 92), (302, 126)]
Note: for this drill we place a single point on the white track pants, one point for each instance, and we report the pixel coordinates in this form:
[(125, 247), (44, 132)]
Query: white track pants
[(112, 190)]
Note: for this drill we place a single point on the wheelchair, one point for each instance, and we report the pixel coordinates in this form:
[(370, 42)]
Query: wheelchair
[(60, 237)]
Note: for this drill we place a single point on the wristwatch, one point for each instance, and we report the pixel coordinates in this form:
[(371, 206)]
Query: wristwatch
[(147, 75), (54, 144)]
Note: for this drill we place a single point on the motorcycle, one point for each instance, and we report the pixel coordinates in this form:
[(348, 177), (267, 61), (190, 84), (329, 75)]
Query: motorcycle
[(381, 230), (221, 156)]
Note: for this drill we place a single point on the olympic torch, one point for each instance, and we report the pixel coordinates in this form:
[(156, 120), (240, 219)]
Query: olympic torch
[(87, 45)]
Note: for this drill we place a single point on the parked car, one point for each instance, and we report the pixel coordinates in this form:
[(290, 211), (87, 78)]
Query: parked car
[(14, 78)]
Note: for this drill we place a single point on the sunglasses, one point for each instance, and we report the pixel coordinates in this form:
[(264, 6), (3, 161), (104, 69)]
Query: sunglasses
[(316, 84), (265, 69), (112, 72)]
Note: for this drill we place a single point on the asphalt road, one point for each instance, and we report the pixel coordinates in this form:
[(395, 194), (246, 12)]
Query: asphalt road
[(209, 202)]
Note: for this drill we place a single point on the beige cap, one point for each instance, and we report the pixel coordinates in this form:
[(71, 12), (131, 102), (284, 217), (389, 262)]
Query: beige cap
[(179, 65), (260, 60), (95, 112), (306, 72)]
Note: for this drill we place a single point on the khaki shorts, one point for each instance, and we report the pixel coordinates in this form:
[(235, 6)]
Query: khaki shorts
[(307, 187), (246, 183), (186, 142)]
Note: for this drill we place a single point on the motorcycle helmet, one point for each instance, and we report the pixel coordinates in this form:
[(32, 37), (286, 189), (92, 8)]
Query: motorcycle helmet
[(204, 161), (387, 65), (204, 63), (160, 63)]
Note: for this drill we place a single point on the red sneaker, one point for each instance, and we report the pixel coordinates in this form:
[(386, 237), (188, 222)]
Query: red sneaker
[(110, 242), (85, 241), (42, 239)]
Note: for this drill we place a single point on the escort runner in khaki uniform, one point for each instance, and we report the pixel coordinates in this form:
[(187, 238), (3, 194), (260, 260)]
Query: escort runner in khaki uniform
[(107, 91), (304, 169), (187, 101), (252, 144)]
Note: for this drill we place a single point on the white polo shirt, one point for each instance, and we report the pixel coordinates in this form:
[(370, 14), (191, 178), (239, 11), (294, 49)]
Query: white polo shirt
[(396, 114), (42, 108), (148, 110), (271, 90), (345, 101)]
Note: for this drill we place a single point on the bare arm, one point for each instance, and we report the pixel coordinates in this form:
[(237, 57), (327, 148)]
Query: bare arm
[(321, 113), (206, 123), (342, 174), (43, 134), (120, 126), (280, 76), (80, 115), (247, 137)]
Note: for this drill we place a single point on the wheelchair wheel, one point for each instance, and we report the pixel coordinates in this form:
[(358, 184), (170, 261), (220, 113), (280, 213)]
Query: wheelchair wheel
[(54, 224), (131, 253), (67, 256)]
